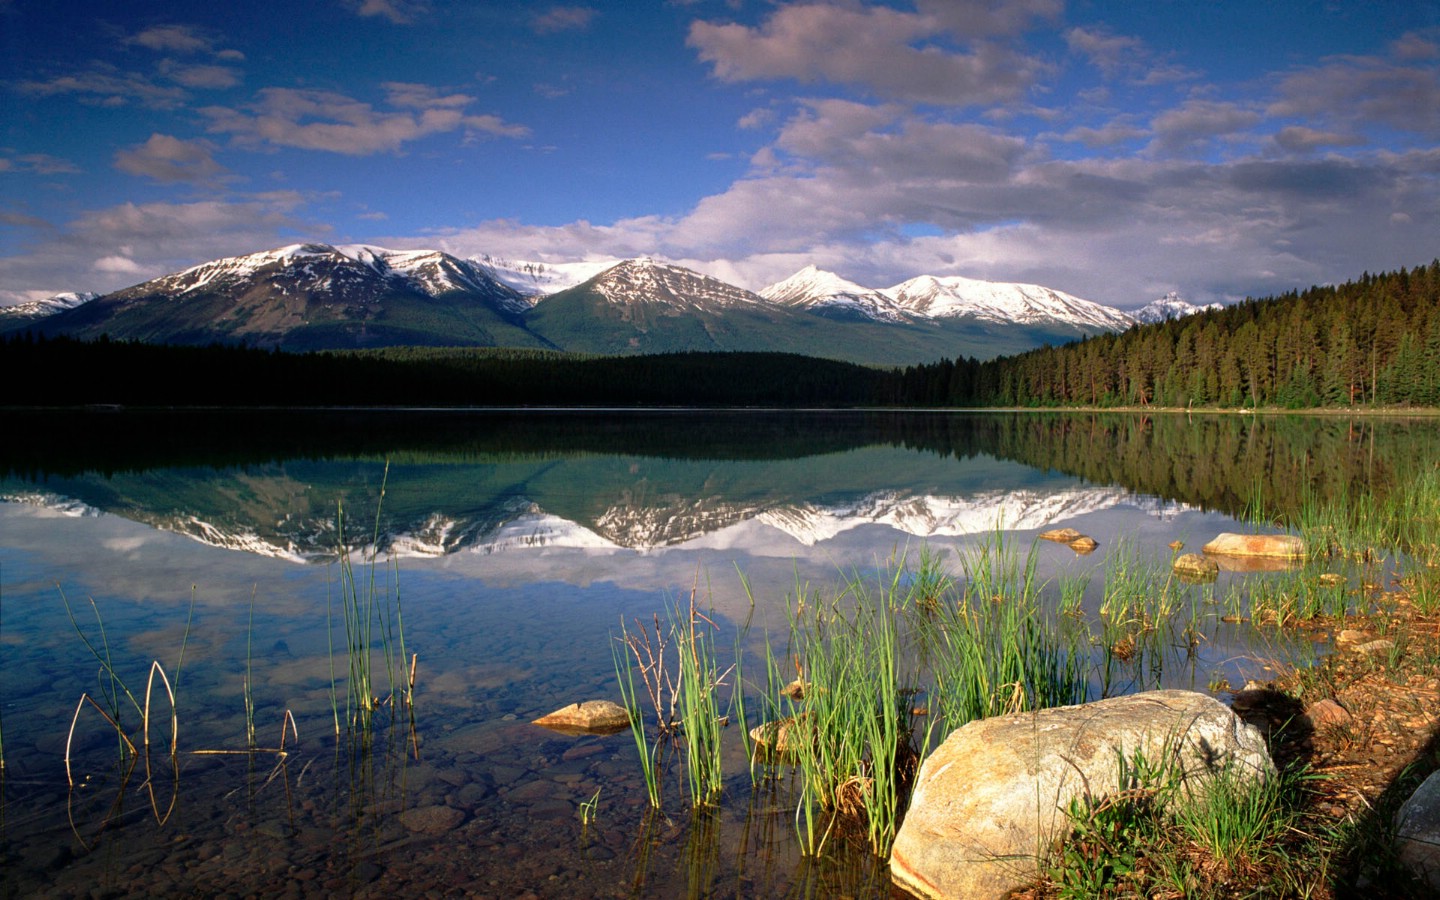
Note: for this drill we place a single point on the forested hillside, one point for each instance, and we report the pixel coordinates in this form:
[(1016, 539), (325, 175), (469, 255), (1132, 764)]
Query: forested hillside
[(1373, 341)]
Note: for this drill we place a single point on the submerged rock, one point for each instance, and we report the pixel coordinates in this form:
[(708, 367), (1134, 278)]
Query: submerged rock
[(432, 820), (588, 717), (1194, 567), (991, 799), (777, 736), (1270, 546)]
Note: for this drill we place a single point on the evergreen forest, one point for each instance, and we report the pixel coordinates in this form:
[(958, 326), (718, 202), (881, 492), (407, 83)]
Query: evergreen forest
[(1372, 342)]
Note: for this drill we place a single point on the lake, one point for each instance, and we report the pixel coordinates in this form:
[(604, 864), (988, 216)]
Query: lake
[(512, 547)]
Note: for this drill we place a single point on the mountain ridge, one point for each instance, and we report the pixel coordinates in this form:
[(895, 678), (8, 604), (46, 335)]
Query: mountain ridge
[(311, 296)]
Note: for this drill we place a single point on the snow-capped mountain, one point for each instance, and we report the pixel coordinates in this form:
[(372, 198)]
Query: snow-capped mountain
[(828, 294), (1170, 306), (356, 273), (1023, 304), (649, 280), (38, 309), (317, 296), (308, 297), (538, 279)]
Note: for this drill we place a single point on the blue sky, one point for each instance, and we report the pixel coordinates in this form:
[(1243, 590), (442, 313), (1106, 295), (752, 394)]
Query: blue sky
[(1116, 151)]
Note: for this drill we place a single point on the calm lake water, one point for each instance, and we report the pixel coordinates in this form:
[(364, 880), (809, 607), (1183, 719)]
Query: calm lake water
[(517, 544)]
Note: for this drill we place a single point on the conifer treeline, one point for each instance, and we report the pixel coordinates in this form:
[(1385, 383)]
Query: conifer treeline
[(1374, 341)]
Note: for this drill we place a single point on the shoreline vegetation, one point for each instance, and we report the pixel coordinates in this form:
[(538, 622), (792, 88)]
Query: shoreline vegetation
[(872, 677)]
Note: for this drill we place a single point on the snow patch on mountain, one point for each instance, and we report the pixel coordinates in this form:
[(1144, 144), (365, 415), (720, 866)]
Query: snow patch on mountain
[(1026, 304), (825, 292), (38, 309), (1170, 306), (539, 279)]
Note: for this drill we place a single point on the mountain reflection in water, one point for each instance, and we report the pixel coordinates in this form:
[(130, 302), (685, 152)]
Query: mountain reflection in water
[(271, 483), (522, 541)]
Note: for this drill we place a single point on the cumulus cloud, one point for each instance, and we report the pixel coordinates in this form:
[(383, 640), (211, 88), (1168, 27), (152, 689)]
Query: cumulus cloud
[(398, 12), (113, 247), (1125, 57), (169, 160), (1364, 91), (894, 53), (1300, 139), (1191, 126), (201, 77), (173, 39), (563, 18), (105, 85), (37, 164), (330, 121)]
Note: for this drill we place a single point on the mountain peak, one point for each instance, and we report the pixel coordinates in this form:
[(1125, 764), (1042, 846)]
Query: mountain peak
[(1170, 306), (955, 296), (646, 279), (827, 294)]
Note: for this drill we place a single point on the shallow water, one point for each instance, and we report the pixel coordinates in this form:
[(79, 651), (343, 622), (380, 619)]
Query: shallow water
[(520, 543)]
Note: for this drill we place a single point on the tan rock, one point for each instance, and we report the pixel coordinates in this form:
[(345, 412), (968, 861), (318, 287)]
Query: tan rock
[(778, 736), (1083, 545), (1370, 648), (1194, 567), (1327, 713), (432, 820), (1273, 546), (587, 717), (1060, 535), (991, 799)]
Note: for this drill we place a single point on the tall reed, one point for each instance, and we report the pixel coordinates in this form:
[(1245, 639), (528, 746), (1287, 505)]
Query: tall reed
[(372, 614)]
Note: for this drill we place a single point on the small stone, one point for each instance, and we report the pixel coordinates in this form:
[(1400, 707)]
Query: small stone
[(432, 820), (1327, 713), (1083, 545), (1194, 567), (776, 736), (1332, 579), (1060, 535), (1374, 647)]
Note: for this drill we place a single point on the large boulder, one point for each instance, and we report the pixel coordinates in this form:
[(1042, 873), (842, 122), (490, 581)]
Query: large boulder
[(1417, 831), (1267, 546), (991, 800)]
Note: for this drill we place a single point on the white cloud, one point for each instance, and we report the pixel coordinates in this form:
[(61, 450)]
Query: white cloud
[(899, 54), (105, 85), (110, 248), (563, 18), (325, 120), (169, 160), (397, 12), (174, 39)]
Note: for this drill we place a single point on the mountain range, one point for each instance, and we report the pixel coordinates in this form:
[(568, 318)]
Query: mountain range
[(318, 296)]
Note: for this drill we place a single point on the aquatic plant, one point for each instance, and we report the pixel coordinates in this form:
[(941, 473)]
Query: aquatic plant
[(372, 613)]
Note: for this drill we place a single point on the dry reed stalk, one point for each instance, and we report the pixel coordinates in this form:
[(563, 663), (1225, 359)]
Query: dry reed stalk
[(71, 736)]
